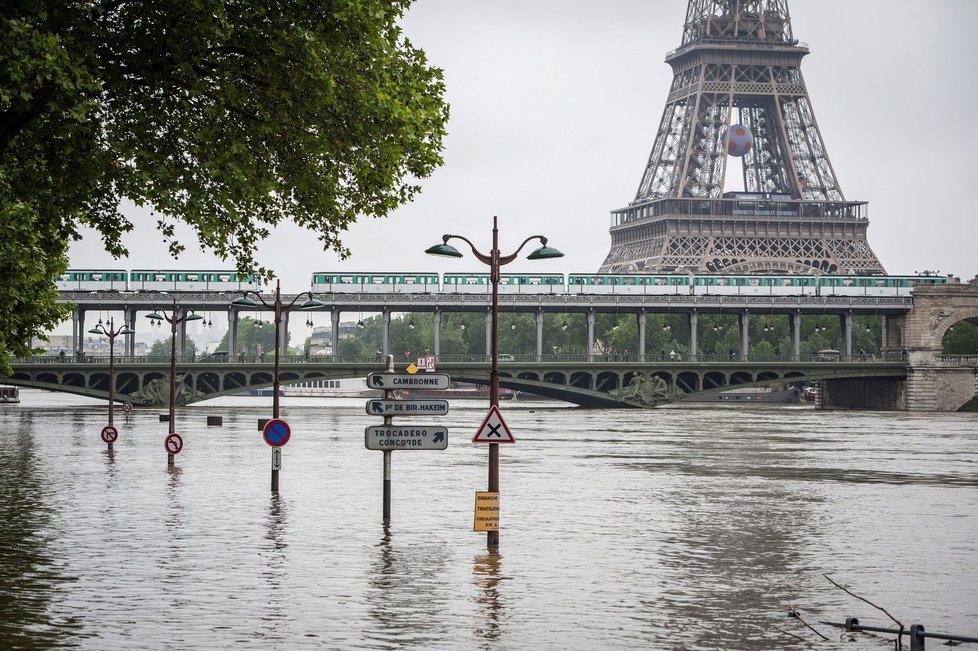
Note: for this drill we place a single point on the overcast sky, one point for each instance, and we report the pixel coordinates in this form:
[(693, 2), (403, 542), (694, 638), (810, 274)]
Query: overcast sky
[(555, 105)]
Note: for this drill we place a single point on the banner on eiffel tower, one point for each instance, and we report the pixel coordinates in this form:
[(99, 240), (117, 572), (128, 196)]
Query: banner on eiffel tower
[(493, 429)]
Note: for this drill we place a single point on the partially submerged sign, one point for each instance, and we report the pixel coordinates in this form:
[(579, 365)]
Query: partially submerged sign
[(486, 511)]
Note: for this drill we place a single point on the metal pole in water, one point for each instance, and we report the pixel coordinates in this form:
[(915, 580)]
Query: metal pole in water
[(388, 420)]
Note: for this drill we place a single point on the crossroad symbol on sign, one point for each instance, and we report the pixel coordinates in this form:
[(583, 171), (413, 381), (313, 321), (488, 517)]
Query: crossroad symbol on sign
[(493, 429)]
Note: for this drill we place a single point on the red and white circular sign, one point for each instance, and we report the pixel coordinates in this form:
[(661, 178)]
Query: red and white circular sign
[(173, 443), (109, 434)]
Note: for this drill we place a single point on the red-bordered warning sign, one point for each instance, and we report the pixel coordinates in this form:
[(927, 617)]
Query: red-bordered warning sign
[(110, 434), (276, 432), (173, 443), (493, 429)]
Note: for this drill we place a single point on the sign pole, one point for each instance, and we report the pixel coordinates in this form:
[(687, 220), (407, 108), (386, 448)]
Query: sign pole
[(388, 394)]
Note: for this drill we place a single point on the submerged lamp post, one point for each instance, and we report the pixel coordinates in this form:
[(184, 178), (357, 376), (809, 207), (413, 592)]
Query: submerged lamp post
[(110, 432), (173, 443), (279, 308), (495, 260)]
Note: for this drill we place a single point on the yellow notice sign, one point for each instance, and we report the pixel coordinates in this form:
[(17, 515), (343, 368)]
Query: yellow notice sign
[(486, 511), (412, 369)]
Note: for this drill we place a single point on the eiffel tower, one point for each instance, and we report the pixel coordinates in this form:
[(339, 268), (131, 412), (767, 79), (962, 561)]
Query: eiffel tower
[(739, 69)]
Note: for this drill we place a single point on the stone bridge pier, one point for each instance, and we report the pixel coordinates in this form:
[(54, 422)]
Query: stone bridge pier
[(935, 382)]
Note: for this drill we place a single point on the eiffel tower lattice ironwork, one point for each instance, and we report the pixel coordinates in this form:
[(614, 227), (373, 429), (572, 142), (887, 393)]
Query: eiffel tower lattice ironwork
[(739, 64)]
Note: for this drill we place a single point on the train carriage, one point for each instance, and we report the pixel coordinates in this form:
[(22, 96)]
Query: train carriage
[(480, 283), (92, 280), (375, 283), (155, 280), (627, 284)]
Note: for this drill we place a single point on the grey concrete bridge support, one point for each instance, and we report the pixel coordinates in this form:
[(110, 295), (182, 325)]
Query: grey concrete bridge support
[(386, 335), (693, 325)]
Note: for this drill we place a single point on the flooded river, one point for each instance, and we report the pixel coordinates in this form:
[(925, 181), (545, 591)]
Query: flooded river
[(669, 529)]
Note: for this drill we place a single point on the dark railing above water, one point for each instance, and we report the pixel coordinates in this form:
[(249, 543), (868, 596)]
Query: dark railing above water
[(658, 358)]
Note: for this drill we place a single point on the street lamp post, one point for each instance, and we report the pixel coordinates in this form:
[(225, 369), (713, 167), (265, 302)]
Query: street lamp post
[(111, 333), (279, 309), (175, 318), (495, 260)]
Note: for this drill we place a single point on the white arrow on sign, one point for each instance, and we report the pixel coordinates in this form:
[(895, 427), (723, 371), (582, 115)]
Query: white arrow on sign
[(408, 437), (407, 407), (391, 381)]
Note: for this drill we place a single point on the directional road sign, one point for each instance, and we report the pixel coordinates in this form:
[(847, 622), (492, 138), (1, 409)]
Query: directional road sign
[(407, 407), (276, 432), (276, 458), (110, 434), (407, 437), (391, 381), (173, 443), (493, 429)]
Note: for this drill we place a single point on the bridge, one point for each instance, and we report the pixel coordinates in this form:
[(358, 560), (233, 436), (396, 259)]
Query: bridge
[(612, 382), (909, 373), (692, 306)]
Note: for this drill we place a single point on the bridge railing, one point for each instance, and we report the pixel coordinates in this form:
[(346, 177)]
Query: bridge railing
[(957, 360), (504, 359)]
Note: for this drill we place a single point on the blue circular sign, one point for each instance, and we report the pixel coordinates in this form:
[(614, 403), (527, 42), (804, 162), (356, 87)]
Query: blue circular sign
[(276, 432)]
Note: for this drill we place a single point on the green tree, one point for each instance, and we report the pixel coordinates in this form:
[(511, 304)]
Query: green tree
[(251, 335), (961, 339), (161, 348), (229, 116)]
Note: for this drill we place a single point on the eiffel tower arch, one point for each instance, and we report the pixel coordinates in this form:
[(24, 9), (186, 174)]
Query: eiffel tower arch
[(739, 64)]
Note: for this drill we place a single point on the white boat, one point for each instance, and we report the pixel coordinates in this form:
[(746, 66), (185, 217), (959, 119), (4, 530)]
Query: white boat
[(9, 395)]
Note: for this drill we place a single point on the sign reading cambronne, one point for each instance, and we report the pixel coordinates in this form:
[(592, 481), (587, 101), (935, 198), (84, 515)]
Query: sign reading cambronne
[(392, 381)]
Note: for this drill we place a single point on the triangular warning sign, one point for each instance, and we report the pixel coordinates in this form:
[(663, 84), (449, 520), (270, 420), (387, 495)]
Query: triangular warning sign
[(494, 429)]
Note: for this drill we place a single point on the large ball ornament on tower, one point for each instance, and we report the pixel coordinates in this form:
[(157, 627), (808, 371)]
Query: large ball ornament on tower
[(737, 140)]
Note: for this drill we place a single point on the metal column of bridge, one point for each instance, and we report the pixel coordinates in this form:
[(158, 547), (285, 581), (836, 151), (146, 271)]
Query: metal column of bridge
[(129, 316), (539, 334), (488, 333), (641, 336), (846, 323), (335, 319), (795, 327), (744, 334), (386, 343), (590, 335), (437, 328), (232, 332), (283, 342), (693, 322)]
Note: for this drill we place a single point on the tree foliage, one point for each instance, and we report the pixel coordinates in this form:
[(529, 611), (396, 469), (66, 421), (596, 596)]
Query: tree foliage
[(252, 334), (161, 348), (229, 116)]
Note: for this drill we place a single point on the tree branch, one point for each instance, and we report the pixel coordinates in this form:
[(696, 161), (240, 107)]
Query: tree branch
[(863, 599)]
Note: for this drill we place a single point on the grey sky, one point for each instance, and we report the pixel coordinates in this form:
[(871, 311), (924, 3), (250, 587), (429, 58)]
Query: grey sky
[(555, 104)]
